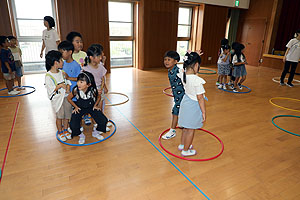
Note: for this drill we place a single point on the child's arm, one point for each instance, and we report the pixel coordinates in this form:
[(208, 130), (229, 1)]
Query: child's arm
[(76, 108), (200, 98), (8, 67), (224, 60), (286, 52), (96, 106), (43, 47)]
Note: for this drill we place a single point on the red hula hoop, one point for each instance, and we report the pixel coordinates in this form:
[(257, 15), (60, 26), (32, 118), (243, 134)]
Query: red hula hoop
[(164, 91), (191, 159)]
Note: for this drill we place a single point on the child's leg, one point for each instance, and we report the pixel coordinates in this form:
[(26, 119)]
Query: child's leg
[(243, 79), (188, 135), (236, 81), (225, 79), (75, 122), (100, 119), (59, 124), (10, 85), (174, 121), (19, 80), (66, 123)]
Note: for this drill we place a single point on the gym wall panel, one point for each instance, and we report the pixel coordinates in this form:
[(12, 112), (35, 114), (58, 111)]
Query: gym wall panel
[(89, 18), (157, 31)]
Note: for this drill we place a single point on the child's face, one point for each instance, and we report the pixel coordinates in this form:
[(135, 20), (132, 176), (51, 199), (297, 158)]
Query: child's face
[(95, 60), (169, 62), (226, 51), (78, 44), (5, 44), (13, 42), (82, 85), (46, 24), (65, 54), (58, 65)]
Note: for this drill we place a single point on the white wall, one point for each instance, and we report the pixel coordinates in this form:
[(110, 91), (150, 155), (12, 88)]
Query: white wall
[(228, 3)]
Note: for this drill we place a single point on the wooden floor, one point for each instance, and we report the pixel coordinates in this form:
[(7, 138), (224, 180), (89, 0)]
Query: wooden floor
[(259, 161)]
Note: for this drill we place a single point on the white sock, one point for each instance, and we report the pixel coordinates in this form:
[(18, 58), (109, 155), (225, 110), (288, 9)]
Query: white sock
[(82, 136)]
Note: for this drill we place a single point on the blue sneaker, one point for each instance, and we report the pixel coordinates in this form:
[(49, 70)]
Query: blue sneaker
[(87, 121)]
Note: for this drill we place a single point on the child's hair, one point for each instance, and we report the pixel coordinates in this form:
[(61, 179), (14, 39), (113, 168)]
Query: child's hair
[(66, 46), (190, 61), (89, 79), (297, 33), (238, 51), (100, 47), (93, 50), (234, 45), (70, 37), (2, 40), (51, 57), (11, 37), (226, 46), (224, 41), (172, 54), (50, 21)]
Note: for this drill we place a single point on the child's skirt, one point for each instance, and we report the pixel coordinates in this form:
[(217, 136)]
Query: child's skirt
[(190, 114), (239, 71)]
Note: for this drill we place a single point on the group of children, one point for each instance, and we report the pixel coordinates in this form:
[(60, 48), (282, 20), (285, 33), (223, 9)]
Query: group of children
[(75, 82), (231, 63), (11, 64)]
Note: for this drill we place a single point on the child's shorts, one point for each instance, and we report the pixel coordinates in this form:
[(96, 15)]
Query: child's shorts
[(223, 69), (19, 71), (239, 71), (8, 76), (65, 110)]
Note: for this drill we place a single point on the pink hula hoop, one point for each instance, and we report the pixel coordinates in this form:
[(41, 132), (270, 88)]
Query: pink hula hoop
[(191, 159), (164, 91)]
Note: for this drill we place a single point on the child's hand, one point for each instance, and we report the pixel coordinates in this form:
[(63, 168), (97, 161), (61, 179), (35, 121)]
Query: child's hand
[(96, 108), (65, 75), (62, 85), (105, 90), (9, 71), (203, 117), (200, 52), (76, 110)]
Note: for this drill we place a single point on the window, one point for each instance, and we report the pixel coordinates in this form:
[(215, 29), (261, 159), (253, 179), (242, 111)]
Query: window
[(184, 30), (121, 33), (29, 24)]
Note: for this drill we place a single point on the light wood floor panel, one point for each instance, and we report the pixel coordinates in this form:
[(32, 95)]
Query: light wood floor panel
[(259, 161)]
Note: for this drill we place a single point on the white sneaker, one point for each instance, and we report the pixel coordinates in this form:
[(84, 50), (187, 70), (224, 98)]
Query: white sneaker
[(107, 129), (62, 137), (190, 152), (220, 86), (181, 147), (109, 124), (170, 134), (240, 86), (81, 139), (224, 87), (13, 92), (231, 87), (67, 134), (235, 90), (96, 134), (217, 83)]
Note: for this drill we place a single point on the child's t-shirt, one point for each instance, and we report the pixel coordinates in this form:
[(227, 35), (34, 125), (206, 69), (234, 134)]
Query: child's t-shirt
[(56, 97), (221, 57), (7, 56), (194, 86), (17, 54), (235, 59), (98, 73), (294, 52), (50, 37), (175, 78), (73, 69), (79, 57)]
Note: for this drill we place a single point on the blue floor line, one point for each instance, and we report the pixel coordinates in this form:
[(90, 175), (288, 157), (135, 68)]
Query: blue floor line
[(163, 154)]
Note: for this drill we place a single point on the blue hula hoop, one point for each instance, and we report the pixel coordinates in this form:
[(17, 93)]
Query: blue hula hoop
[(249, 90), (18, 95), (89, 143), (282, 128)]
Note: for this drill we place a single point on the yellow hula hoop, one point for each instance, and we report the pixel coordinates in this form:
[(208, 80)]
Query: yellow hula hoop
[(282, 106), (116, 104)]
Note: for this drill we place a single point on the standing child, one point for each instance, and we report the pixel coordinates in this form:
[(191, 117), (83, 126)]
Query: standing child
[(78, 55), (291, 58), (223, 66), (224, 42), (87, 103), (170, 61), (192, 112), (232, 78), (239, 69), (93, 65), (76, 39), (50, 37), (8, 67), (17, 53), (58, 88)]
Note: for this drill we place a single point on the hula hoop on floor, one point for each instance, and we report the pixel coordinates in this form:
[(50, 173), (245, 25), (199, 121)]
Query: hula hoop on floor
[(211, 71), (282, 106), (249, 90), (278, 81), (92, 142), (282, 128), (18, 95), (116, 104), (191, 159), (168, 94)]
